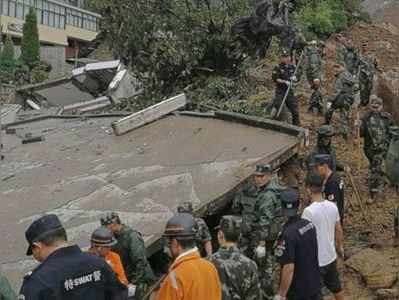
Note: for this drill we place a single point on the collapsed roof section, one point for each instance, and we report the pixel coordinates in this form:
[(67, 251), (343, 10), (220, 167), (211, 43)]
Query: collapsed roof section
[(101, 82)]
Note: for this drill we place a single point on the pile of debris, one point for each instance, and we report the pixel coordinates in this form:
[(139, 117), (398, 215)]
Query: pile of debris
[(90, 88)]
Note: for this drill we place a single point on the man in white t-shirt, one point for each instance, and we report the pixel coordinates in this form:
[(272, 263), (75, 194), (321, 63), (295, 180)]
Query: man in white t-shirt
[(325, 217)]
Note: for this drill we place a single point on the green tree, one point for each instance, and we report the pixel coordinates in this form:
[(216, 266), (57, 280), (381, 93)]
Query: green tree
[(30, 47), (7, 61)]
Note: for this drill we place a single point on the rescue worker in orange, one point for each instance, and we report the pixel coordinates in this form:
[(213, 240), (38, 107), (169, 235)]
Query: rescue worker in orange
[(102, 240), (190, 277)]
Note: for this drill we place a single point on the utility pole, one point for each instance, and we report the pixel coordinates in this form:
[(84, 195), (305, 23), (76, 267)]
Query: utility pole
[(2, 92)]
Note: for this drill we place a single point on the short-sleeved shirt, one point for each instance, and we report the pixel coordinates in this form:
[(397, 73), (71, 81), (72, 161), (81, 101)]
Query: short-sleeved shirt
[(334, 188), (324, 215), (70, 274), (297, 244)]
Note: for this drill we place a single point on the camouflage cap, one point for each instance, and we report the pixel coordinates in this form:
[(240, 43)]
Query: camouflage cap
[(110, 218), (185, 207), (375, 100), (230, 223), (263, 169), (326, 130)]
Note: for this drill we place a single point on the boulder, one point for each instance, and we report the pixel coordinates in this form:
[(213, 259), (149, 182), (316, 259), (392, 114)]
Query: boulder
[(388, 90), (376, 269)]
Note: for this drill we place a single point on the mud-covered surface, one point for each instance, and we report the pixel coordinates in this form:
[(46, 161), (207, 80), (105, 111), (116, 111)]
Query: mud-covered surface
[(81, 170)]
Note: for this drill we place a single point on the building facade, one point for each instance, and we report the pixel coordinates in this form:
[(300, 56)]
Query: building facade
[(61, 23)]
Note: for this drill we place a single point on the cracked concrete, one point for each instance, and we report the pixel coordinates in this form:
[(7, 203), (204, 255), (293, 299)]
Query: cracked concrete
[(80, 172)]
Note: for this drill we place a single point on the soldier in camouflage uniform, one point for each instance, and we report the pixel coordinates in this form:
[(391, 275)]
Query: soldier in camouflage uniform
[(342, 98), (314, 62), (203, 236), (133, 253), (352, 59), (368, 64), (376, 133), (324, 145), (238, 274), (340, 49), (316, 99), (263, 211), (6, 292)]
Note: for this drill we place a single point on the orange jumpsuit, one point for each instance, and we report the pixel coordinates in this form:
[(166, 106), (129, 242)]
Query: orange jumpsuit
[(191, 278), (114, 260)]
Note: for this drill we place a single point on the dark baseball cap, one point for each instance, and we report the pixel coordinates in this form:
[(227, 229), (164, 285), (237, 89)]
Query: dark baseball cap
[(40, 228), (290, 202), (322, 159), (263, 169)]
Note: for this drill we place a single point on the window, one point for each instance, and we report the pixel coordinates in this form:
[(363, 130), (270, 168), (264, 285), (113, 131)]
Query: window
[(20, 10), (5, 7), (11, 9)]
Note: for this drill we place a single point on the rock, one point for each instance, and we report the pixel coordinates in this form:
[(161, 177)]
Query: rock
[(387, 294), (376, 269), (388, 90)]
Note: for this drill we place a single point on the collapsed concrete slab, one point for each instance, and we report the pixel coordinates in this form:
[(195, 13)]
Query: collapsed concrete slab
[(82, 170)]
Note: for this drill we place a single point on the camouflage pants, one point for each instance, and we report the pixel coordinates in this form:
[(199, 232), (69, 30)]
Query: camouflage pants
[(266, 267), (376, 173), (247, 245), (344, 112), (366, 86)]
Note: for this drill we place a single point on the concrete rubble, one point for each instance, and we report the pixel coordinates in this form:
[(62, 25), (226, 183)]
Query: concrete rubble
[(99, 84)]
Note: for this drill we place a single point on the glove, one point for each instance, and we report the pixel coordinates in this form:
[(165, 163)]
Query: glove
[(347, 169), (260, 251), (358, 123), (131, 290), (278, 297), (341, 253), (294, 79), (329, 104), (288, 83)]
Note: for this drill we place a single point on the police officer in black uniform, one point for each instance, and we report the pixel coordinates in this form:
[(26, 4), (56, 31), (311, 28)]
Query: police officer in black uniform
[(65, 272), (284, 76), (296, 251), (333, 184)]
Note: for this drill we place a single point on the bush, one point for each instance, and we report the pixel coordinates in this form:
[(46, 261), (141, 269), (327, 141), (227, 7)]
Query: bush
[(322, 18), (7, 62), (30, 47)]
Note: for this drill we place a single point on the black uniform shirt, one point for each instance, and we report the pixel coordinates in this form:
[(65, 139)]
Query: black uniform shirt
[(70, 274), (284, 72), (297, 245), (334, 188)]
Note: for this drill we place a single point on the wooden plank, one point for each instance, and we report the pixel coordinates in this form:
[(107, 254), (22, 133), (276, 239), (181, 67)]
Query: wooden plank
[(94, 107), (81, 105), (149, 114)]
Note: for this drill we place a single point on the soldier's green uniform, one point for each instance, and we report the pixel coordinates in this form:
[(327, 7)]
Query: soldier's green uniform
[(261, 222), (340, 53), (324, 145), (267, 226), (367, 67), (352, 60), (314, 64), (342, 99), (238, 274), (375, 129), (244, 205), (203, 234), (133, 254), (6, 292), (315, 101)]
